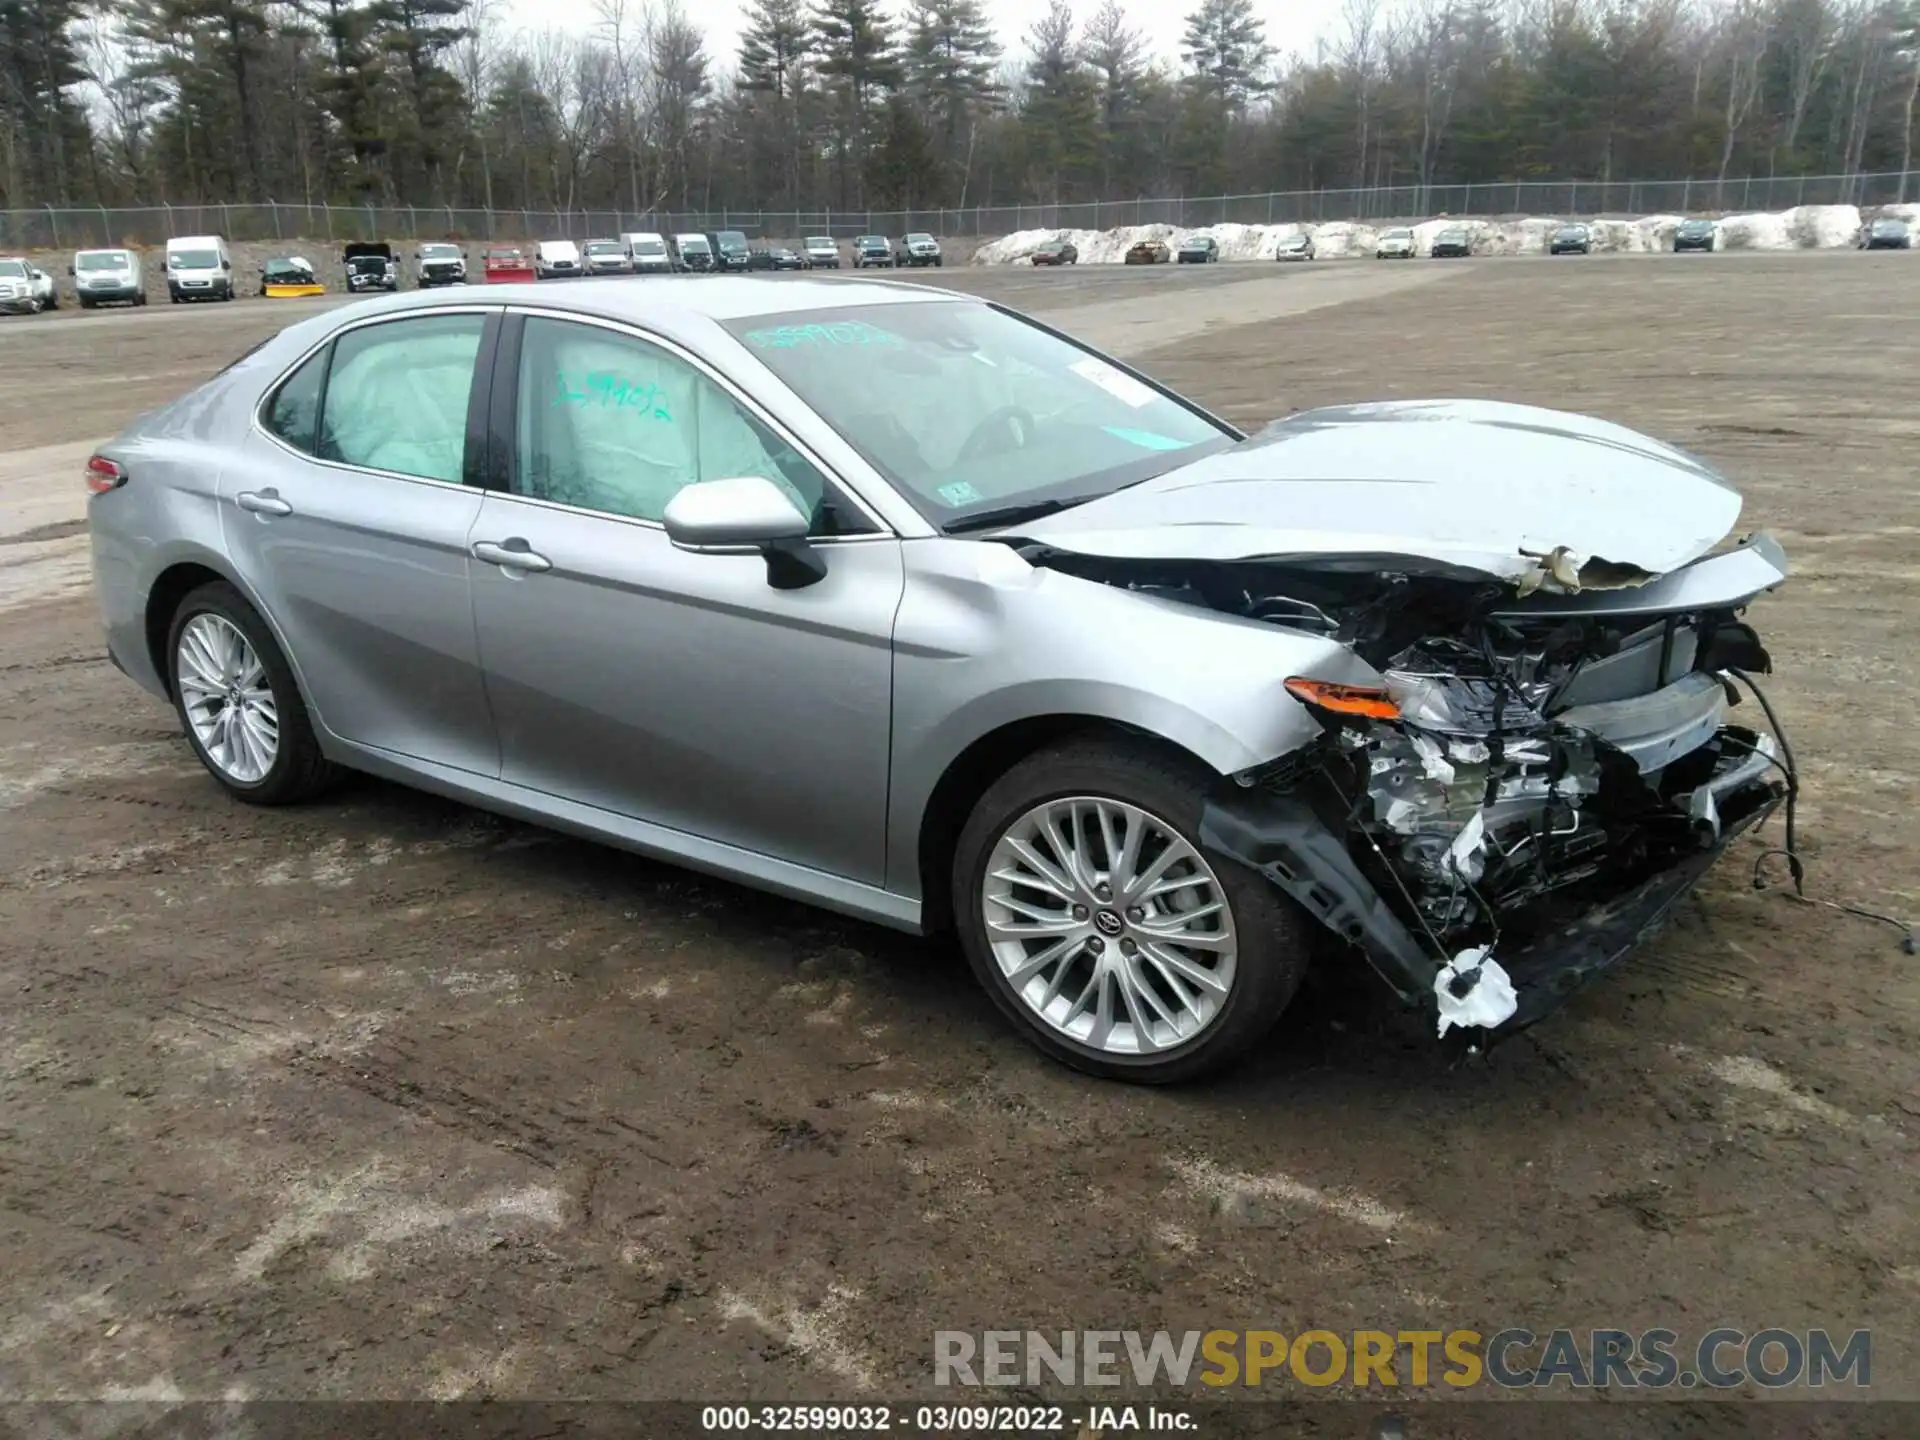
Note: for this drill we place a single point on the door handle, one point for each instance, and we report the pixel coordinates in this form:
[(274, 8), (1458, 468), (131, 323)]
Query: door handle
[(262, 502), (512, 555)]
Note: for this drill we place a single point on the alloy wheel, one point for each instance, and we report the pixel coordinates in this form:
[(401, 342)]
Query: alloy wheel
[(227, 698), (1108, 925)]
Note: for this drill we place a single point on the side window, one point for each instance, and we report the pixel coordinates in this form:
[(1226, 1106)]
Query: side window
[(396, 398), (608, 422), (294, 412)]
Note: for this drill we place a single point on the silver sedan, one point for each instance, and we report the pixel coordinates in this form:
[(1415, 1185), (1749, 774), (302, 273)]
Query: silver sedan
[(889, 599)]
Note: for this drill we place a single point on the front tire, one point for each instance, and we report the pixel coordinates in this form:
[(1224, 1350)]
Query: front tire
[(238, 701), (1180, 982)]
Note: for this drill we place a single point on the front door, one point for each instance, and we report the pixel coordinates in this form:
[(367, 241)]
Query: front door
[(349, 520), (680, 689)]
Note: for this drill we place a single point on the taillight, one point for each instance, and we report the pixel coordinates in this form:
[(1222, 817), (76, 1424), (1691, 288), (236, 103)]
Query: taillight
[(104, 474)]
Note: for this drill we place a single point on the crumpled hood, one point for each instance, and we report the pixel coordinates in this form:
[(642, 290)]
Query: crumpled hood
[(1541, 498)]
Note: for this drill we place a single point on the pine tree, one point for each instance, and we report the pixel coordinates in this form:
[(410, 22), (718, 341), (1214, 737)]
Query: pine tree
[(1226, 45), (948, 69), (858, 58), (1060, 117), (774, 46)]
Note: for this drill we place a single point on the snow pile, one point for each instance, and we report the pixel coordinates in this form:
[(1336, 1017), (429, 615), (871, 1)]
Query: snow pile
[(1807, 227)]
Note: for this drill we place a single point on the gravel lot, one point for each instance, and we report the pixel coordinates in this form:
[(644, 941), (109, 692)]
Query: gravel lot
[(385, 1097)]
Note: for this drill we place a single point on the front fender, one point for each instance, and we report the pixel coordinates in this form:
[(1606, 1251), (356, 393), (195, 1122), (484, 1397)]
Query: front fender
[(984, 640)]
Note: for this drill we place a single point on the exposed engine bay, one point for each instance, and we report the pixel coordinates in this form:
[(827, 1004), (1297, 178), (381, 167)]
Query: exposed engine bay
[(1515, 770)]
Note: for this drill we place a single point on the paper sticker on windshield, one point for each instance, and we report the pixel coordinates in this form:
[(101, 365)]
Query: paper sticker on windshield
[(1117, 383), (958, 493)]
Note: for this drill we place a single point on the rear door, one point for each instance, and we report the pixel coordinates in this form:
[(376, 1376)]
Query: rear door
[(349, 517), (675, 688)]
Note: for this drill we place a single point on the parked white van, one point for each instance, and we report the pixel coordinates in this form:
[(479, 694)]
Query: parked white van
[(554, 259), (647, 253), (199, 268), (695, 252), (108, 277)]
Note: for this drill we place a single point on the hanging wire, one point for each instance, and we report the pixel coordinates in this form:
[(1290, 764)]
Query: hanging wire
[(1789, 849)]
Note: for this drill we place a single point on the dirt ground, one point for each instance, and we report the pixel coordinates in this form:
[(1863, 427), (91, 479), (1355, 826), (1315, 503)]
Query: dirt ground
[(387, 1098)]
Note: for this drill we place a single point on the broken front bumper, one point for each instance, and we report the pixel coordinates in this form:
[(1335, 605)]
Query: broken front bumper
[(1275, 830)]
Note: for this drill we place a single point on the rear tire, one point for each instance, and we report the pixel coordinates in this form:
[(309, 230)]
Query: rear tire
[(1255, 944), (201, 640)]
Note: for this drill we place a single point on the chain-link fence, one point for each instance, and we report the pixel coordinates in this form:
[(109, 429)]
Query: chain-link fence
[(54, 228)]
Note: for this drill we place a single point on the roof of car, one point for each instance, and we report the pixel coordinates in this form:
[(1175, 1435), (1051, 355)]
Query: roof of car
[(663, 299)]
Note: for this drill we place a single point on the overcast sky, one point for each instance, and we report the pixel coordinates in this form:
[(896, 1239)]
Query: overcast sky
[(1292, 26)]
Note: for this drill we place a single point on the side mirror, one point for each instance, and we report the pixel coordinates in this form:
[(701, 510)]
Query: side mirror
[(747, 513), (70, 270)]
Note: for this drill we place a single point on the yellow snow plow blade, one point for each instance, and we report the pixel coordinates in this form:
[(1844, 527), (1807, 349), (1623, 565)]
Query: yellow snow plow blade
[(294, 291)]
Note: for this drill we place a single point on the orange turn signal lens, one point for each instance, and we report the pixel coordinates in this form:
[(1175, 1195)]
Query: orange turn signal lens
[(1360, 700)]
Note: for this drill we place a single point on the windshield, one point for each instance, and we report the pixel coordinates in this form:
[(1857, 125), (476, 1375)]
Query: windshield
[(873, 242), (194, 260), (966, 408), (919, 239), (694, 243), (288, 267), (731, 240), (439, 252), (1890, 226), (102, 260), (819, 242), (604, 247), (13, 269), (649, 247)]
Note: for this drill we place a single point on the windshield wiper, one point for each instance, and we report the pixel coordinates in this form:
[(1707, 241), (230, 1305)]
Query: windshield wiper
[(1012, 514)]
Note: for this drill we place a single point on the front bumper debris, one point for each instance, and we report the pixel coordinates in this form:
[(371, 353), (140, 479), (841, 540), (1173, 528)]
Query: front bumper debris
[(1293, 827)]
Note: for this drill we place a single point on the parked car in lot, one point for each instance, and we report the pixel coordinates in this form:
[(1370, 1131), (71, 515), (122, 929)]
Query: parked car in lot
[(507, 265), (26, 289), (1695, 234), (731, 250), (647, 253), (872, 252), (438, 263), (695, 252), (1888, 232), (920, 249), (779, 257), (1148, 252), (557, 260), (199, 268), (1058, 251), (1570, 240), (1146, 710), (108, 277), (604, 257), (289, 277), (1296, 246), (1395, 244), (1454, 242), (1199, 250), (370, 266), (822, 253)]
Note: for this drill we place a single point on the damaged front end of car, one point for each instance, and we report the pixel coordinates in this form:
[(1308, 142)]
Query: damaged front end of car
[(1537, 775)]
